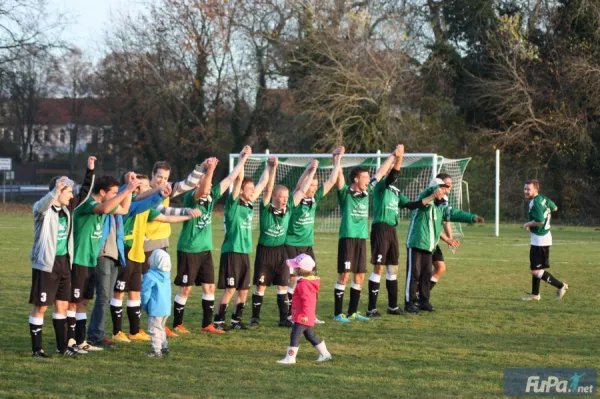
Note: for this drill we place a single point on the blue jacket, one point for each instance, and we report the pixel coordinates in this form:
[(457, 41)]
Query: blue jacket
[(136, 207), (156, 293)]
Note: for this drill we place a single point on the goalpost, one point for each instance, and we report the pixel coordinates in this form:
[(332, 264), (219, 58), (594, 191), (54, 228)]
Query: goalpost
[(416, 174)]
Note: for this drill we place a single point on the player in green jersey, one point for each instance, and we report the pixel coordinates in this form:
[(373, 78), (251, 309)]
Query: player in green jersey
[(540, 210), (194, 258), (234, 265)]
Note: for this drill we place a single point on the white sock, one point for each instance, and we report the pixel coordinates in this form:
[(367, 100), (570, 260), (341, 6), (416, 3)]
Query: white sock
[(80, 316), (376, 278), (133, 303), (290, 290), (36, 321), (71, 313), (180, 300), (58, 316), (116, 302), (206, 297)]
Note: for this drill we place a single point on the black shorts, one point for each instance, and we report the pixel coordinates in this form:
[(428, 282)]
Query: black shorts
[(234, 271), (384, 245), (292, 252), (352, 255), (270, 267), (194, 268), (90, 284), (437, 255), (79, 277), (539, 257), (129, 277), (47, 287)]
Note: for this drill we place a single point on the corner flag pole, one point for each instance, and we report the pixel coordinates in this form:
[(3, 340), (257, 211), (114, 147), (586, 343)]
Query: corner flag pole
[(497, 202)]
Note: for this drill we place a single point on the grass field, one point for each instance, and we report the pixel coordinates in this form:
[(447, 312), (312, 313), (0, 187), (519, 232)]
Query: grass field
[(479, 328)]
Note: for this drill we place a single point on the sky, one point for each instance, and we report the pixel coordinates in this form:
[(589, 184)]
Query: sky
[(89, 20)]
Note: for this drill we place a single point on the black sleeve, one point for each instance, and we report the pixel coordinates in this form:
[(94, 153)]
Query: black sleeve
[(84, 191), (391, 177), (414, 205)]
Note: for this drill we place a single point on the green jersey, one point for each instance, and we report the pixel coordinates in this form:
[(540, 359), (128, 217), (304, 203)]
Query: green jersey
[(274, 223), (87, 233), (354, 206), (196, 234), (301, 230), (540, 209), (238, 226), (63, 234), (386, 201), (130, 221)]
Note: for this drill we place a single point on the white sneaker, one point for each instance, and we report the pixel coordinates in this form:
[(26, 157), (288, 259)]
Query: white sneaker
[(89, 347), (531, 297), (287, 360), (75, 348), (324, 358), (562, 291), (319, 321)]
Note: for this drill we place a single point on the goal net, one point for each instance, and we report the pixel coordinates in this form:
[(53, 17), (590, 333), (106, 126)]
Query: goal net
[(416, 174)]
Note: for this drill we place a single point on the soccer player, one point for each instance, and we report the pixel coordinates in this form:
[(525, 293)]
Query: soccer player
[(387, 199), (270, 266), (88, 221), (194, 258), (540, 209), (300, 237), (112, 255), (234, 265), (423, 236), (51, 259), (129, 279), (353, 234)]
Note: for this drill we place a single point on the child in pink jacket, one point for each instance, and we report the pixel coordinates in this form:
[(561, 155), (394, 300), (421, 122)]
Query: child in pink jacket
[(304, 310)]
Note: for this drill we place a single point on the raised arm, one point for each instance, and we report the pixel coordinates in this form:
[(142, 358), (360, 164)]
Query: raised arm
[(41, 206), (115, 201), (267, 182), (206, 181), (239, 168), (385, 167), (340, 180), (190, 182), (338, 153), (299, 194), (395, 171), (86, 186), (303, 177)]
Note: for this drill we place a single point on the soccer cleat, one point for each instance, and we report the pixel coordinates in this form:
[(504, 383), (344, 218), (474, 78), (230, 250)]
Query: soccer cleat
[(212, 329), (181, 329), (140, 336), (562, 291), (286, 323), (254, 322), (165, 351), (341, 318), (75, 348), (40, 354), (358, 316), (411, 308), (221, 326), (324, 358), (238, 325), (120, 337), (319, 321), (152, 354), (89, 347), (373, 313), (169, 333), (69, 353), (395, 311), (531, 297), (426, 306)]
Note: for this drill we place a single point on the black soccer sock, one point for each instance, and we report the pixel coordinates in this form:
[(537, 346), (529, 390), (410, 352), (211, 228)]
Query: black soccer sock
[(178, 309), (282, 304), (80, 326), (71, 325), (134, 313), (392, 290), (220, 316), (550, 279), (116, 314), (290, 294), (374, 284), (535, 285), (354, 298), (239, 312), (338, 297), (257, 301), (35, 329), (208, 305), (60, 330)]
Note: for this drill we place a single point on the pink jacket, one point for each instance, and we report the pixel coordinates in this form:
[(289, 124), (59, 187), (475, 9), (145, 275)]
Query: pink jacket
[(304, 301)]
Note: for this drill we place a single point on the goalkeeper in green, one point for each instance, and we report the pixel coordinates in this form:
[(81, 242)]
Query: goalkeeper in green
[(423, 236)]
